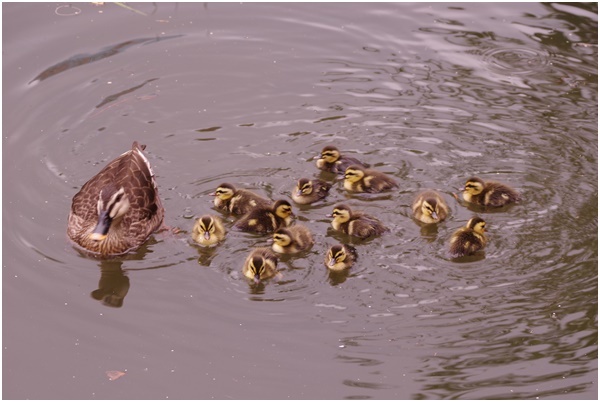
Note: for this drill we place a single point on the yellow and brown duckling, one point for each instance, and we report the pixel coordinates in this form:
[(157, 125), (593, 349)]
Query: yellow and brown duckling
[(208, 230), (340, 257), (238, 201), (489, 193), (267, 219), (469, 239), (308, 191), (331, 160), (260, 264), (293, 239), (429, 207), (362, 180), (355, 223), (119, 208)]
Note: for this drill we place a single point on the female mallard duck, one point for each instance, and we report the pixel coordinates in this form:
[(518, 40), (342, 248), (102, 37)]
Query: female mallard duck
[(340, 257), (119, 208), (208, 230), (308, 191), (488, 193), (237, 201), (331, 160), (355, 223), (430, 207), (267, 219), (260, 264), (363, 180), (292, 239), (469, 239)]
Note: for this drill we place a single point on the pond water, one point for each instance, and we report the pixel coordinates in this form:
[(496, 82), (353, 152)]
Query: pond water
[(248, 94)]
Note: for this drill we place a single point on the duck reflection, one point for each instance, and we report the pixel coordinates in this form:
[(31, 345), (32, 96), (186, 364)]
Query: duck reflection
[(113, 285)]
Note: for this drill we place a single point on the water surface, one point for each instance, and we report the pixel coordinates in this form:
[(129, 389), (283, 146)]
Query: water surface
[(249, 93)]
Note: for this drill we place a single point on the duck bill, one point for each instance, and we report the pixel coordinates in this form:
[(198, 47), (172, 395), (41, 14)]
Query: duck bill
[(434, 215), (332, 262), (207, 235), (257, 278), (298, 193), (101, 230)]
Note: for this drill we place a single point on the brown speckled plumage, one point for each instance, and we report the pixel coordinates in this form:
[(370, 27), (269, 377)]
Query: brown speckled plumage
[(131, 172)]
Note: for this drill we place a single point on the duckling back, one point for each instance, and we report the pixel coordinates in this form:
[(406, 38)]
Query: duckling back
[(308, 191), (293, 239), (469, 239), (331, 160), (266, 220), (237, 201), (362, 180), (489, 193)]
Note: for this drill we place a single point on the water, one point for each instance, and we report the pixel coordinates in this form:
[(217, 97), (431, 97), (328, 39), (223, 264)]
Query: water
[(249, 93)]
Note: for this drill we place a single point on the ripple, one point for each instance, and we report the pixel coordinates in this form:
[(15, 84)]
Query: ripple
[(516, 61)]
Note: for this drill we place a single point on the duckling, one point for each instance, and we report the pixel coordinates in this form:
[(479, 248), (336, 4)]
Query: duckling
[(469, 239), (292, 240), (430, 207), (237, 201), (260, 264), (355, 223), (489, 193), (308, 191), (363, 180), (331, 160), (208, 230), (119, 208), (267, 219), (340, 257)]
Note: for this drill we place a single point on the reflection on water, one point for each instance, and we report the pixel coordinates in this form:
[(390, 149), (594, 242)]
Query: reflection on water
[(113, 285), (431, 94)]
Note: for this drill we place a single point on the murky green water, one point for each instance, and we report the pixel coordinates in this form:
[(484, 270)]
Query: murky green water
[(249, 93)]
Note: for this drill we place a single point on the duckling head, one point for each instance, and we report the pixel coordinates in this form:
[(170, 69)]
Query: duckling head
[(477, 224), (225, 191), (304, 187), (205, 225), (330, 154), (336, 254), (430, 208), (354, 173), (112, 205), (474, 186), (282, 209), (341, 213), (282, 237), (258, 267)]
